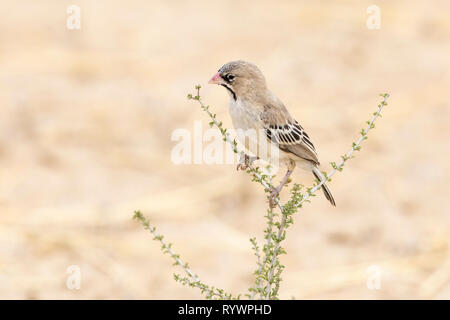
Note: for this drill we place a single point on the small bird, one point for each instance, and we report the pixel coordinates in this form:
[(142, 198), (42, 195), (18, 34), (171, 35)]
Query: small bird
[(254, 107)]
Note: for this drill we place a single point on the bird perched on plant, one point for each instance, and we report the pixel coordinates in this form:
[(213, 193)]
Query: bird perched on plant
[(254, 107)]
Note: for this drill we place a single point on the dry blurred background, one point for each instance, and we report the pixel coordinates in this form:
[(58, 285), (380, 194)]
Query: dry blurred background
[(85, 138)]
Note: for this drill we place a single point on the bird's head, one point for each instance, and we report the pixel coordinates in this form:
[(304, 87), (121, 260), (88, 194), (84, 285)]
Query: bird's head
[(240, 78)]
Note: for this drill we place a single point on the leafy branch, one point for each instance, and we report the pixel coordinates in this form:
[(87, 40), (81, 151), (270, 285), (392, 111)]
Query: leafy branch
[(192, 279), (269, 269), (298, 198)]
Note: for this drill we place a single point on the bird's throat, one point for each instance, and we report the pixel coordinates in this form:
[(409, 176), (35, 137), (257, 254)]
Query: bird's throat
[(230, 90)]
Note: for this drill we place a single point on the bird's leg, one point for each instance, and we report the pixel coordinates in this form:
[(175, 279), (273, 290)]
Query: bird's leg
[(276, 191), (245, 162)]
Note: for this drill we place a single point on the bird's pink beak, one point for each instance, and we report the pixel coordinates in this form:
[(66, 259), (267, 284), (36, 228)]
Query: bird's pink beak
[(216, 79)]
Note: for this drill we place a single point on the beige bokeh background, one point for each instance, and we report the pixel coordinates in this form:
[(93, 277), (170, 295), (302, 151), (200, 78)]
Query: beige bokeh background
[(86, 118)]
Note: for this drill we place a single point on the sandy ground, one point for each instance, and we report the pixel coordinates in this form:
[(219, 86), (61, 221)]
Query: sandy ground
[(85, 139)]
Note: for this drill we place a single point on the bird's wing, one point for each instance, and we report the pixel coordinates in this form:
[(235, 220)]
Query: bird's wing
[(287, 133)]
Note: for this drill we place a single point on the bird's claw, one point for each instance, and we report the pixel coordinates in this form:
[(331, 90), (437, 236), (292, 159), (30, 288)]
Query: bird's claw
[(242, 166), (274, 192)]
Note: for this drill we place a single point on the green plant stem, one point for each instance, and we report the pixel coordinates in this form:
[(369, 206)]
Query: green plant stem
[(355, 146), (192, 280)]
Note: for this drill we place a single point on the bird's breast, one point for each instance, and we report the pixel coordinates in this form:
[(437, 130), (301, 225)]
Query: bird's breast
[(247, 123), (243, 117)]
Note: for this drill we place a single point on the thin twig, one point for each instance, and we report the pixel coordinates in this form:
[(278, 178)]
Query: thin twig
[(257, 287), (167, 248)]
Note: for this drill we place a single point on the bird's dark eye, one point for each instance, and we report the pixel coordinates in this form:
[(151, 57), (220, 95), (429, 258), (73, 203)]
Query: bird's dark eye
[(229, 77)]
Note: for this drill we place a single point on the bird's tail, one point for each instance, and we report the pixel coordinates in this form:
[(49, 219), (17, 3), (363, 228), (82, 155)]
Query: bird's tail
[(319, 176)]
